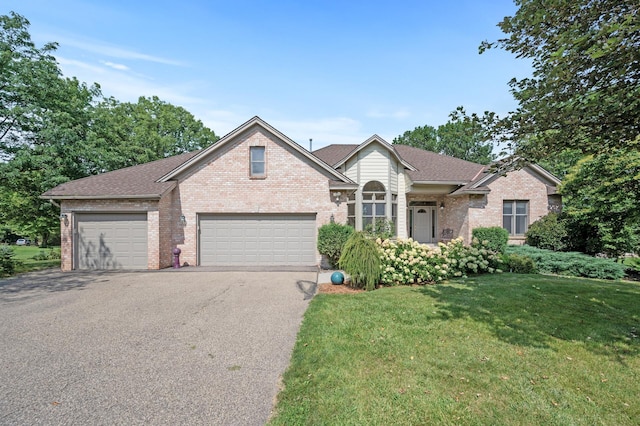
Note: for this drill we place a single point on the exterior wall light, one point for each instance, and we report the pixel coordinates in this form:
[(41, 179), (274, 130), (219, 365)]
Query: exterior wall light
[(441, 206), (182, 220), (336, 197)]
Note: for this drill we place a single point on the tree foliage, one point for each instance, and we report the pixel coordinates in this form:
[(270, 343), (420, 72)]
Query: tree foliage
[(123, 134), (601, 199), (28, 77), (54, 129), (584, 93), (423, 137), (462, 137)]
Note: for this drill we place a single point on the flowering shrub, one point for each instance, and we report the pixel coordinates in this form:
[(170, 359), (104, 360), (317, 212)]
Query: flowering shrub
[(409, 262), (474, 259)]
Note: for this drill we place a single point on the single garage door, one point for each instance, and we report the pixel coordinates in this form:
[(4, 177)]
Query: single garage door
[(111, 241), (258, 239)]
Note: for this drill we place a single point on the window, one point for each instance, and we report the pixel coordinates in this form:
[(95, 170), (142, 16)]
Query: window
[(257, 161), (374, 203), (351, 210), (515, 216)]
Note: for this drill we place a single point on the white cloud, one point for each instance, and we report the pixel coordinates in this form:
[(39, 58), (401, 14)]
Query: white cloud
[(104, 49), (119, 67), (127, 87)]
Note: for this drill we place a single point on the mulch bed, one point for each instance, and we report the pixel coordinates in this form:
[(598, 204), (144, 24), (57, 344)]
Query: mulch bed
[(338, 289)]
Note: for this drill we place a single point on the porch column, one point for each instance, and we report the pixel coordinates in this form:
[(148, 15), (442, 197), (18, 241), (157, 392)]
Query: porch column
[(402, 207)]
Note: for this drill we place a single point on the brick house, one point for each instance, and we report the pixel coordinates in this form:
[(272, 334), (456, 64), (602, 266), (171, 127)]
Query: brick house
[(257, 198)]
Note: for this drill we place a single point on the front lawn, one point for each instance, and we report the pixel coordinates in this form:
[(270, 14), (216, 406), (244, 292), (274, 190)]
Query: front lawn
[(25, 255), (495, 349)]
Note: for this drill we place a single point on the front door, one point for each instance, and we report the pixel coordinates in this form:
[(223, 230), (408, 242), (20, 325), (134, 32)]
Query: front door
[(424, 224)]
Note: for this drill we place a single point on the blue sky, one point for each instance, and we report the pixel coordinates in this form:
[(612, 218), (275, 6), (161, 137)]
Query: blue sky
[(334, 71)]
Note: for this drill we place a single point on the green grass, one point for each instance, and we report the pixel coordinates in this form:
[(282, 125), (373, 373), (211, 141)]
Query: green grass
[(496, 349), (25, 255)]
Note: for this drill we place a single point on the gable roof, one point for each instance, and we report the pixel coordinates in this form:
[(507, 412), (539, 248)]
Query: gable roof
[(139, 181), (502, 167), (253, 122), (363, 145), (154, 179), (422, 166)]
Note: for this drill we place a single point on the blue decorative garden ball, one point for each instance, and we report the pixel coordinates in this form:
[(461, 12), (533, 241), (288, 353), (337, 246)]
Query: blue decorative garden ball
[(337, 278)]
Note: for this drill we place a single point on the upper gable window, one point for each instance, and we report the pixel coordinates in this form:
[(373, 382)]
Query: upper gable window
[(257, 161)]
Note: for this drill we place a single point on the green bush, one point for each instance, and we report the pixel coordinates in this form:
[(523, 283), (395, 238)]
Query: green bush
[(54, 254), (493, 238), (7, 262), (361, 260), (331, 239), (51, 255), (570, 263), (549, 232), (519, 264)]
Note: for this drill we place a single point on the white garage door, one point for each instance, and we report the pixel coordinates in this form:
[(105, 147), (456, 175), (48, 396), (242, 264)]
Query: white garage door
[(111, 241), (258, 239)]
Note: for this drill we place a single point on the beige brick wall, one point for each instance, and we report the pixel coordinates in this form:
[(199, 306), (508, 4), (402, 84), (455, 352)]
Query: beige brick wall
[(517, 185), (222, 184)]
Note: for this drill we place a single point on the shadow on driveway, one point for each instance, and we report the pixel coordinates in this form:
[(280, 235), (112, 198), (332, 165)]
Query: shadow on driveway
[(31, 284)]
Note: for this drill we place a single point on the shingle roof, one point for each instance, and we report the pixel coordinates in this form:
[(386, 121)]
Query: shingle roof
[(434, 167), (132, 182), (431, 167), (333, 153)]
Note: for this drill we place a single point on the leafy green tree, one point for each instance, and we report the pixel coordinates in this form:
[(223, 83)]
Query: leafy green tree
[(584, 93), (465, 138), (462, 137), (425, 137), (52, 130), (125, 134), (601, 199), (28, 76)]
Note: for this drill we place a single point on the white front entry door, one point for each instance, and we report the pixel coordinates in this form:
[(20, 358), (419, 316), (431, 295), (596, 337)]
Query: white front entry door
[(423, 224)]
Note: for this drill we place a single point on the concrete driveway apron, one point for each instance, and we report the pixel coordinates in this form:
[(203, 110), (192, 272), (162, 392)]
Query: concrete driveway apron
[(165, 347)]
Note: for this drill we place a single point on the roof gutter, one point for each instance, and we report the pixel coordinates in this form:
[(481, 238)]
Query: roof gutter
[(101, 197), (439, 182)]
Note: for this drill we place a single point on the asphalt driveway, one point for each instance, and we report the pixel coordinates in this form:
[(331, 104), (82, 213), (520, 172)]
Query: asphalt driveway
[(165, 347)]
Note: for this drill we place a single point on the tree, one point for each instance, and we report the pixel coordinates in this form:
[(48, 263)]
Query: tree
[(584, 93), (28, 75), (465, 138), (125, 134), (53, 129), (425, 137), (462, 137), (601, 194)]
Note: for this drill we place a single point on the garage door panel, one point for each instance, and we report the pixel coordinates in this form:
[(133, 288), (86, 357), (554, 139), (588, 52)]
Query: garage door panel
[(111, 241), (258, 239)]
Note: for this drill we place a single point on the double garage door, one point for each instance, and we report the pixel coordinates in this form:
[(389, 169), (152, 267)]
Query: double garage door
[(111, 241), (257, 239)]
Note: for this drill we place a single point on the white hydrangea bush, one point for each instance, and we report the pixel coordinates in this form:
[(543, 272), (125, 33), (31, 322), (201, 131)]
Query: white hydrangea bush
[(405, 261)]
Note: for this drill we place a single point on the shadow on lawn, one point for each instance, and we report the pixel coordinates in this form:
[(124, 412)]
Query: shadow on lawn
[(534, 310)]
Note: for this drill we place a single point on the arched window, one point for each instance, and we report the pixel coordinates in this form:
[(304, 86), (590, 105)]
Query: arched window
[(374, 203)]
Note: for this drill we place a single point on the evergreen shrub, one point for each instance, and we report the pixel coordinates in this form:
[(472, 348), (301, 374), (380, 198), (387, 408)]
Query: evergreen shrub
[(492, 238)]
